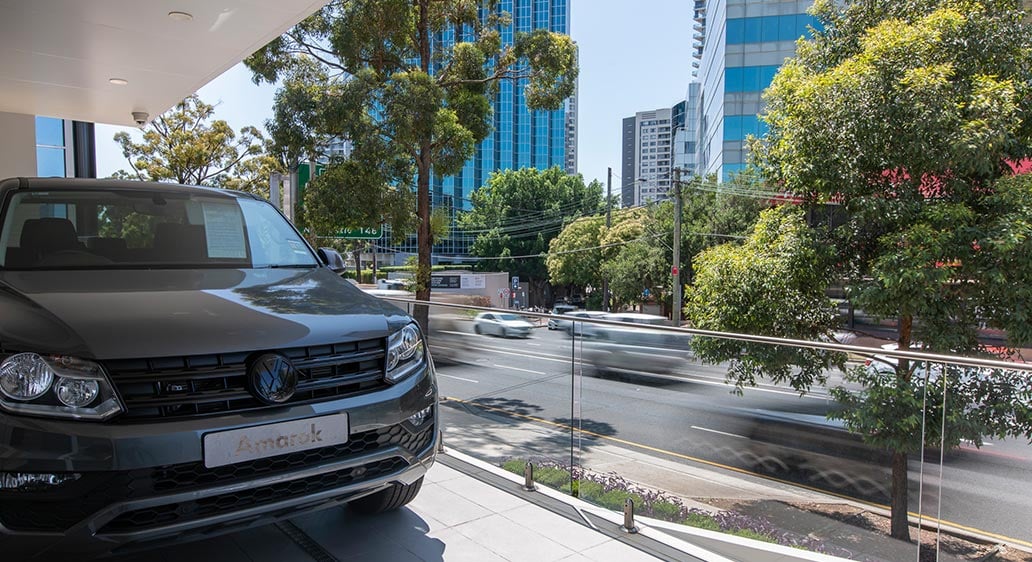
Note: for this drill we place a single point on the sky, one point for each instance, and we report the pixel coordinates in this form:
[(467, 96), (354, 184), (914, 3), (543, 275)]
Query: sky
[(634, 56)]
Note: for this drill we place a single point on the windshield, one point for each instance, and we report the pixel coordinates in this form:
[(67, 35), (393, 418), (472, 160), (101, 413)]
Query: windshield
[(509, 317), (119, 229)]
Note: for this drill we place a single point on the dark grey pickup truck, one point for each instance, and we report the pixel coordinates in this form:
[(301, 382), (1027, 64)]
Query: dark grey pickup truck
[(178, 361)]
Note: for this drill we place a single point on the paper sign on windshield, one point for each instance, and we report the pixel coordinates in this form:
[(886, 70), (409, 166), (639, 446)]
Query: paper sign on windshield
[(224, 227)]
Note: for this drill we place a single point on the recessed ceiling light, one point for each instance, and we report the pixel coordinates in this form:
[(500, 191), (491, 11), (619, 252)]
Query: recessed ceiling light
[(180, 16), (119, 81)]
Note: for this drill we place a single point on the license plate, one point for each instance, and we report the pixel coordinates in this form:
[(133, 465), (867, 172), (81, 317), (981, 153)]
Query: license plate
[(249, 443)]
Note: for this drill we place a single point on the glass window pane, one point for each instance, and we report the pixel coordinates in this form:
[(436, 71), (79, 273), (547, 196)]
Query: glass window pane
[(49, 131), (50, 162), (767, 76), (752, 30), (769, 28), (789, 28), (751, 80), (735, 31), (733, 80)]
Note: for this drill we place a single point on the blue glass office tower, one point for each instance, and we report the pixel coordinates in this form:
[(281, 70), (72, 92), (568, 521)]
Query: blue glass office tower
[(744, 43), (520, 138)]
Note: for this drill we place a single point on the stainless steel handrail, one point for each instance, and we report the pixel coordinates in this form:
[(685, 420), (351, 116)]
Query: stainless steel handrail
[(841, 347)]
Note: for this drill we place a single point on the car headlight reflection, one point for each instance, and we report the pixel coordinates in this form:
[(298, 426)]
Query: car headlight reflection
[(56, 386), (405, 353)]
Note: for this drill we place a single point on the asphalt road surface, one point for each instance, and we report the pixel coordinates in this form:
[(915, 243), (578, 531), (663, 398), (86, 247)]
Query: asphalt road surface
[(768, 429)]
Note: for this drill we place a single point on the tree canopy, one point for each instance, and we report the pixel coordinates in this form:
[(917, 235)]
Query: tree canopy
[(519, 212), (377, 73), (773, 284), (906, 115), (184, 145)]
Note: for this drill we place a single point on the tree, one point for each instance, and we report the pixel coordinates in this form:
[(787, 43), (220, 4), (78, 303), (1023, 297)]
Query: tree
[(184, 145), (578, 254), (773, 284), (574, 256), (366, 70), (519, 212), (906, 115)]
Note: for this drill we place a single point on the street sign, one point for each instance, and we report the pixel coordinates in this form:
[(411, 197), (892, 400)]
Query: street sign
[(515, 282), (367, 233), (645, 292), (673, 270), (505, 293)]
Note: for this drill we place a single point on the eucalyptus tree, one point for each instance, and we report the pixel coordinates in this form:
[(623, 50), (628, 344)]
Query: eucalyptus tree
[(378, 73)]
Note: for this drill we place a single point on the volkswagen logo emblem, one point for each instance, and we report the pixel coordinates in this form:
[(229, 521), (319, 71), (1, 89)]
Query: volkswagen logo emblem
[(272, 379)]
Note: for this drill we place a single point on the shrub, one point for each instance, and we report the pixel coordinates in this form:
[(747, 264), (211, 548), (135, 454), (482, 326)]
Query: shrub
[(610, 491)]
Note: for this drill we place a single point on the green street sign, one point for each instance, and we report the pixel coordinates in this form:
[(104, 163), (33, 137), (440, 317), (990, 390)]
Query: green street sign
[(304, 175), (373, 233)]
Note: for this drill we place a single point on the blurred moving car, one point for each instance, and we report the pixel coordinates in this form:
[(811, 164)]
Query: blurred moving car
[(635, 347), (567, 325), (813, 450), (501, 324)]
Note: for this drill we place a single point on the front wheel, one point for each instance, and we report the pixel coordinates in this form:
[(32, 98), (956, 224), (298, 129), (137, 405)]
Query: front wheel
[(387, 500), (477, 329)]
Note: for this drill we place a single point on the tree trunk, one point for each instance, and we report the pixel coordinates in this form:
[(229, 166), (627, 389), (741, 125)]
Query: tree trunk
[(900, 526), (423, 164), (900, 523)]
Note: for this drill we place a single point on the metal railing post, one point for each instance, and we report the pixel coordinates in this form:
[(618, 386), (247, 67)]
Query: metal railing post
[(628, 517)]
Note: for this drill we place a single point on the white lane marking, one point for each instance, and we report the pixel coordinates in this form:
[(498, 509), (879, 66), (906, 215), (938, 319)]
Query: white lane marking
[(440, 374), (518, 369), (534, 344), (718, 432)]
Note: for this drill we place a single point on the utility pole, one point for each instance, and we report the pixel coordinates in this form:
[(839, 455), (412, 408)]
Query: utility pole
[(609, 213), (675, 270)]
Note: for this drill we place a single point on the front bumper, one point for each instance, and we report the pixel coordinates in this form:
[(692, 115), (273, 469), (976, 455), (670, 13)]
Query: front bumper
[(151, 486)]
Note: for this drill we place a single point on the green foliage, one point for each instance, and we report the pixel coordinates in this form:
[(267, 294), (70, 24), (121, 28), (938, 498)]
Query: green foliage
[(906, 114), (637, 251), (702, 521), (364, 70), (184, 145), (519, 212), (566, 264), (773, 284)]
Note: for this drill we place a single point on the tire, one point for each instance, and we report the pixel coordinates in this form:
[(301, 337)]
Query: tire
[(505, 333), (390, 499), (477, 330)]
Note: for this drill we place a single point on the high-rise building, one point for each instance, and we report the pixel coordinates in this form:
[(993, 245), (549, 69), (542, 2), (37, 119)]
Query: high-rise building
[(519, 138), (743, 44), (648, 155)]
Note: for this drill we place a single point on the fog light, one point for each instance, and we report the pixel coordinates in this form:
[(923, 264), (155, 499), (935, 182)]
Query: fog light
[(29, 481), (76, 393), (421, 416)]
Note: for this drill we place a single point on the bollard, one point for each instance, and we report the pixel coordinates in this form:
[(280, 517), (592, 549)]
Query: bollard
[(628, 517), (528, 477), (440, 442)]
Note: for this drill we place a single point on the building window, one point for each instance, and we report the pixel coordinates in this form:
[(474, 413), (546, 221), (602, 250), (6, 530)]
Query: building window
[(769, 28), (748, 78), (50, 147)]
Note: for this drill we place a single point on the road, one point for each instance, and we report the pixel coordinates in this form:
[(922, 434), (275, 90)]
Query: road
[(694, 414)]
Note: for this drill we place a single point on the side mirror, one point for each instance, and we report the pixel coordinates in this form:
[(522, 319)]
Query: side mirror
[(331, 259)]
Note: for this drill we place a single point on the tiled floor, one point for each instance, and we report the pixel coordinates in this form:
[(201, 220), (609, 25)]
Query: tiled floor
[(455, 517)]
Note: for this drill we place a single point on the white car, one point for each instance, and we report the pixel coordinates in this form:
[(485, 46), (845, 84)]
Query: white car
[(502, 324)]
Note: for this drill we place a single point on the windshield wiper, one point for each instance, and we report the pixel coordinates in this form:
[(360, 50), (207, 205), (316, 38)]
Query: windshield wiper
[(287, 266)]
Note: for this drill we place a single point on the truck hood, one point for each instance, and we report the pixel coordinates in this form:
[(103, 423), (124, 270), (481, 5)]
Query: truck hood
[(109, 314)]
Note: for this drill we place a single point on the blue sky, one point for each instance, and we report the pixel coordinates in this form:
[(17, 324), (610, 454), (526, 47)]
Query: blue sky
[(634, 56)]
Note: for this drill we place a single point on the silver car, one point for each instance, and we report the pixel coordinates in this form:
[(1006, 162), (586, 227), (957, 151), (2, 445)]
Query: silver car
[(502, 324)]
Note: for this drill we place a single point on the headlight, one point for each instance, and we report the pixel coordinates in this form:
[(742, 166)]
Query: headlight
[(405, 353), (56, 386)]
